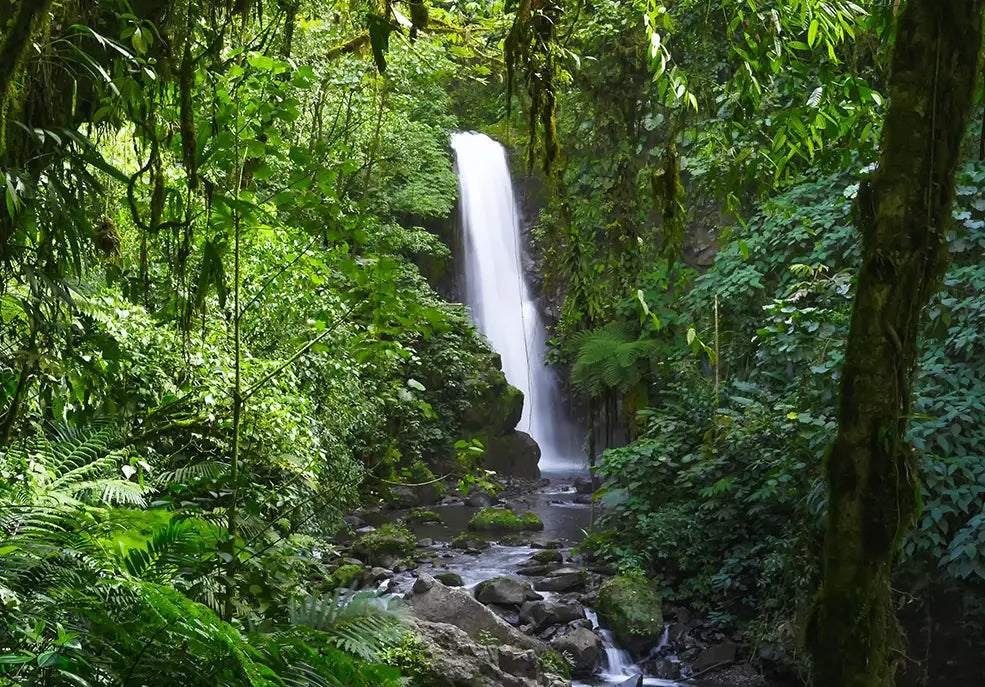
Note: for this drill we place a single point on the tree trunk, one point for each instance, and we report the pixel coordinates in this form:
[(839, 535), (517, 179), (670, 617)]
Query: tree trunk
[(903, 216)]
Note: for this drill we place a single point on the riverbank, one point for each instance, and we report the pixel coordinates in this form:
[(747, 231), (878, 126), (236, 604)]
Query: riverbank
[(539, 585)]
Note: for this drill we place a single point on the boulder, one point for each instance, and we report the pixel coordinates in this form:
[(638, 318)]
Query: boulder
[(583, 648), (534, 569), (583, 485), (518, 662), (423, 584), (441, 604), (495, 406), (635, 681), (451, 579), (353, 521), (632, 604), (562, 580), (385, 546), (457, 660), (501, 590), (547, 556), (718, 655), (514, 453), (540, 614), (505, 520), (479, 499)]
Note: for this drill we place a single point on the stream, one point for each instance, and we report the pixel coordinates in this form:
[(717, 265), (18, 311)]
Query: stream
[(504, 308)]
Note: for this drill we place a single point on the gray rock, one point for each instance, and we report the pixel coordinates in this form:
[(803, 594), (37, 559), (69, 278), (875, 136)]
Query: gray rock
[(478, 499), (507, 613), (457, 607), (583, 499), (635, 681), (534, 596), (352, 561), (720, 654), (583, 647), (451, 579), (378, 574), (547, 556), (501, 590), (423, 583), (583, 485), (665, 669), (534, 569), (514, 454), (562, 580), (543, 613), (354, 521), (402, 497), (365, 529), (457, 660), (547, 544), (519, 662), (425, 543)]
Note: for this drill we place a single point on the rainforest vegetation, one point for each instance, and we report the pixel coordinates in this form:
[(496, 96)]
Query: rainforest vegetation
[(230, 316)]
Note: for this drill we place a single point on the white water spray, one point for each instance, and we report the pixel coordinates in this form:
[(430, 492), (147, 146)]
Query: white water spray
[(501, 303)]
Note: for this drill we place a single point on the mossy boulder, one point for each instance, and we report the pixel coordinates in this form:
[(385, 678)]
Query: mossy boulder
[(422, 516), (505, 520), (514, 453), (632, 605), (346, 576), (494, 407), (386, 546)]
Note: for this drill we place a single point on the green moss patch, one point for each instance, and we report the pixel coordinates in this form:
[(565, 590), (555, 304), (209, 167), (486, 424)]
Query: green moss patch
[(504, 520), (421, 516), (633, 606), (345, 576)]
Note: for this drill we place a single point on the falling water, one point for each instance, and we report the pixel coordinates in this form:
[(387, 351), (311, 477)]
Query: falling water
[(502, 305)]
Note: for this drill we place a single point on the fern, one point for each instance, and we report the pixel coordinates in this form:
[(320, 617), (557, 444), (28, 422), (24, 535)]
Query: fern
[(609, 358), (362, 623)]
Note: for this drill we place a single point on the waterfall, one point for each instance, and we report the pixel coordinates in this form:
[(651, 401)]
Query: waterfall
[(502, 306)]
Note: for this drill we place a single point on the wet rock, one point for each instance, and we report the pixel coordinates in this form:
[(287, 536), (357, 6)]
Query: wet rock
[(635, 681), (514, 453), (583, 499), (632, 605), (457, 660), (441, 604), (451, 579), (583, 485), (718, 655), (540, 614), (562, 580), (378, 574), (534, 596), (507, 613), (534, 569), (478, 499), (547, 556), (425, 543), (354, 521), (665, 669), (365, 529), (505, 520), (423, 584), (402, 497), (501, 590), (584, 648), (470, 543), (582, 622), (519, 662), (546, 544), (348, 560)]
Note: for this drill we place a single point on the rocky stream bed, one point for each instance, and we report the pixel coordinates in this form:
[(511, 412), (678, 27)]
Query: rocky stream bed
[(500, 608)]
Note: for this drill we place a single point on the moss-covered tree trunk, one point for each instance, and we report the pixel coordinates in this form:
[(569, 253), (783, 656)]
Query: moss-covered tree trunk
[(903, 216)]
